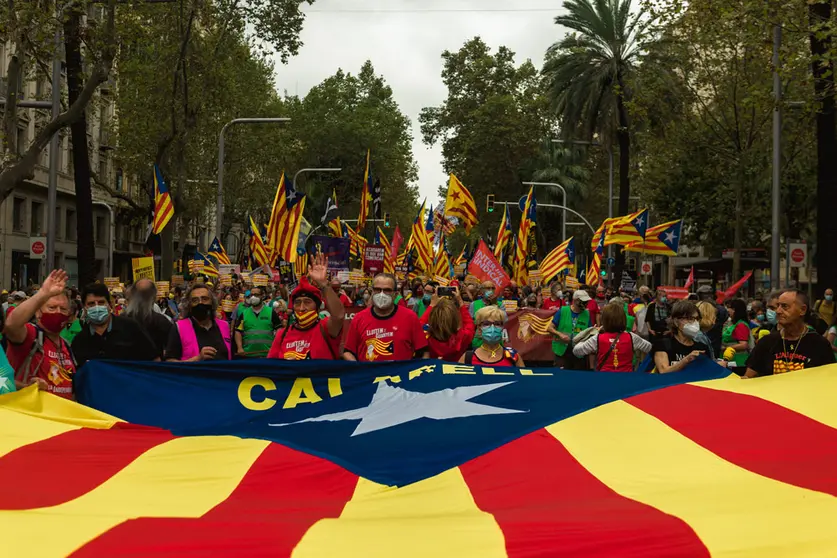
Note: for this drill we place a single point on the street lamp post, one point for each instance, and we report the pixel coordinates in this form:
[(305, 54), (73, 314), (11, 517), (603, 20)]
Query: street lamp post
[(219, 215), (609, 186), (563, 202), (301, 171), (555, 206), (777, 157)]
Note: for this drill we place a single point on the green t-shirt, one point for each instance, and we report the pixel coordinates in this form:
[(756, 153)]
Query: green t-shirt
[(69, 333), (7, 375)]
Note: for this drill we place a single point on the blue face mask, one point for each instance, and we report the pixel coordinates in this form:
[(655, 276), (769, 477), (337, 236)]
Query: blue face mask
[(492, 334), (426, 298), (760, 317), (829, 298), (771, 316), (663, 300), (487, 293), (97, 315)]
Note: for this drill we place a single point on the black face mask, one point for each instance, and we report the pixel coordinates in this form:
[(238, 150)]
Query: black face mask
[(201, 311)]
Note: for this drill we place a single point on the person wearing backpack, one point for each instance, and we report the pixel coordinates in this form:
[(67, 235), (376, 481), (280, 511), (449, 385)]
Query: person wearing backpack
[(613, 346), (737, 335), (37, 352), (308, 336)]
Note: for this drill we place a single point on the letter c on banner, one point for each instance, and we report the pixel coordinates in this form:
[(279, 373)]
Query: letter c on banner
[(245, 393)]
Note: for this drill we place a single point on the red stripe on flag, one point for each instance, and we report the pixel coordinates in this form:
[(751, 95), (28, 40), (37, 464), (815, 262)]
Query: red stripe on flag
[(744, 430), (282, 495), (548, 504), (85, 459)]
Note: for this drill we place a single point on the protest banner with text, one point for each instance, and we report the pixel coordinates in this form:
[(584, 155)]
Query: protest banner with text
[(485, 267)]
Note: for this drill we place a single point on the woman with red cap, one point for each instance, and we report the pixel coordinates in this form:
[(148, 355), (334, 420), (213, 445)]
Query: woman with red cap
[(307, 336)]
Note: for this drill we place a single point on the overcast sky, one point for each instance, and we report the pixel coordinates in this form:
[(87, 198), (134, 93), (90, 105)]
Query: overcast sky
[(404, 39)]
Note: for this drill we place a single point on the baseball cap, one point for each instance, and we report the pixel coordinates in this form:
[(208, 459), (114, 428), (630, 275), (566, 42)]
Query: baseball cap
[(706, 289), (581, 295), (18, 294)]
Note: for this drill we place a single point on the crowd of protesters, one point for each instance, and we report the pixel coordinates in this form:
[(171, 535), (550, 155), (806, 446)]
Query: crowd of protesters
[(51, 331)]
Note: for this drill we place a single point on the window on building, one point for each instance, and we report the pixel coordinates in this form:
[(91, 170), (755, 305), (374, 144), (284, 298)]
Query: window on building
[(40, 87), (103, 168), (18, 214), (70, 225), (57, 224), (101, 230), (36, 224)]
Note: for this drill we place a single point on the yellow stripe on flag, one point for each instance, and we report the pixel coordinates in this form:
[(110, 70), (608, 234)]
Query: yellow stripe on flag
[(185, 477), (413, 521), (733, 511), (808, 392)]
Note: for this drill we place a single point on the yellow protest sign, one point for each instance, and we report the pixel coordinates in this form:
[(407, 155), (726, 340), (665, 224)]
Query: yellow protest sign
[(112, 283), (571, 282), (442, 281), (163, 288), (260, 280), (228, 305), (356, 277), (510, 306), (534, 277), (177, 280), (226, 280), (143, 268)]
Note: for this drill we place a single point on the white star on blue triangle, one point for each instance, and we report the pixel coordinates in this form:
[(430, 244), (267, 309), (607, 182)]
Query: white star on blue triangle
[(391, 406)]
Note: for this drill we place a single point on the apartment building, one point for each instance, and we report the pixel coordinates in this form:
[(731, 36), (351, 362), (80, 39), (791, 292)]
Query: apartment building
[(23, 215)]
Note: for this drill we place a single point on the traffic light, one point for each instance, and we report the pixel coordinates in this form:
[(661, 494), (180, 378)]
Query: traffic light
[(489, 203), (386, 220), (604, 273)]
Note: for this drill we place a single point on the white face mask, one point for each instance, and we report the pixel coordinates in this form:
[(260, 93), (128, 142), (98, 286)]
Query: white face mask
[(691, 330), (255, 301), (382, 301)]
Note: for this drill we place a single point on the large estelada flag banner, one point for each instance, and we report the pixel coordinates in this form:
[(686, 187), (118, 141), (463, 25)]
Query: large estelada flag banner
[(420, 458)]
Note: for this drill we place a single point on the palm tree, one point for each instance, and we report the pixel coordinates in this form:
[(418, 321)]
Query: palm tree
[(587, 77)]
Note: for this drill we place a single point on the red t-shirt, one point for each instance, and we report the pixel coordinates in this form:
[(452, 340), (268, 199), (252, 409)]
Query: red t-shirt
[(396, 337), (55, 364), (510, 358), (593, 308), (345, 300), (741, 332), (549, 304), (312, 343)]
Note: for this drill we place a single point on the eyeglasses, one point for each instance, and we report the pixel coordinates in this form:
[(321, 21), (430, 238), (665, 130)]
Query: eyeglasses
[(201, 300)]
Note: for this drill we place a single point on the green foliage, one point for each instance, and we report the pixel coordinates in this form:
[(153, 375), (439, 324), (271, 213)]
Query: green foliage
[(491, 127), (703, 98)]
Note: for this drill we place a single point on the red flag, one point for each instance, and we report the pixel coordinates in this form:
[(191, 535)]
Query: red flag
[(397, 240), (691, 280), (730, 292), (485, 267)]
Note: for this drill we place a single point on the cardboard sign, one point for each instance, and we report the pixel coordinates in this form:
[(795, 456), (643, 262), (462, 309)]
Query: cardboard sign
[(444, 282), (226, 280), (485, 267), (196, 267), (177, 280), (459, 269), (163, 288), (373, 259), (534, 277), (112, 283), (260, 280), (227, 305), (356, 277), (229, 269), (143, 268), (510, 306), (571, 282)]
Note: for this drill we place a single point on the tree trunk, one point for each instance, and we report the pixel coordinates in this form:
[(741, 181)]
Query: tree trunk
[(822, 68), (623, 136), (81, 159)]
